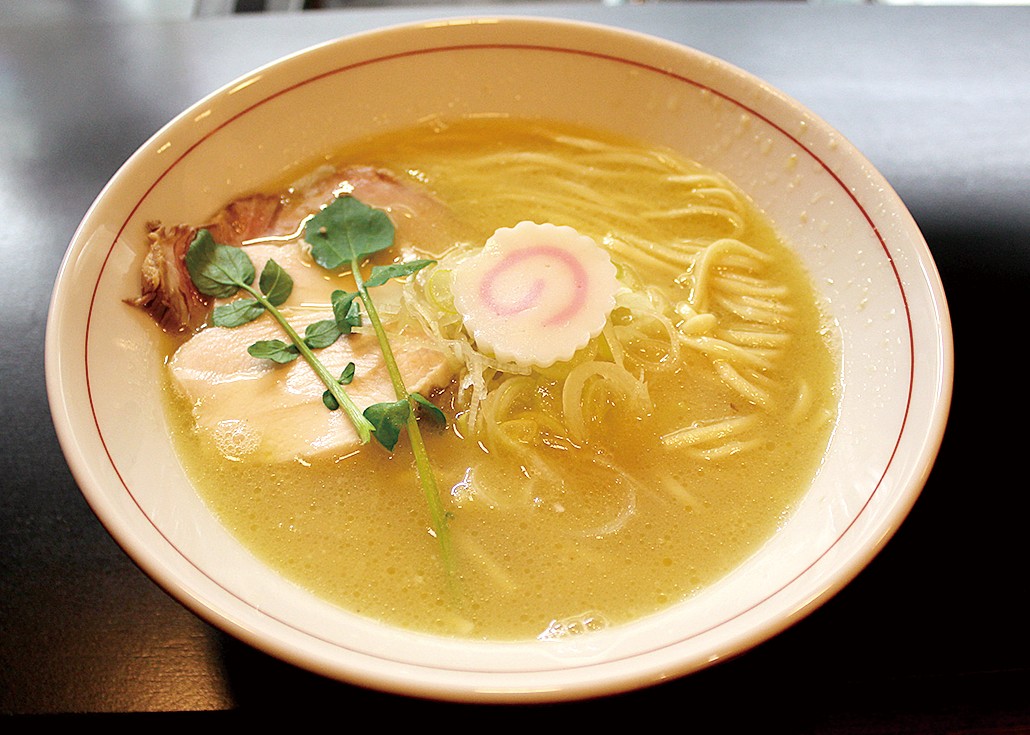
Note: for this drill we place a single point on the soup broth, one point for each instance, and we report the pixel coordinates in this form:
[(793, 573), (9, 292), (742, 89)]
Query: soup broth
[(577, 498)]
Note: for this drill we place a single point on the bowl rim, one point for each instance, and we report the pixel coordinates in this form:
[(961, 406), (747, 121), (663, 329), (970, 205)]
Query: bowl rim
[(406, 683)]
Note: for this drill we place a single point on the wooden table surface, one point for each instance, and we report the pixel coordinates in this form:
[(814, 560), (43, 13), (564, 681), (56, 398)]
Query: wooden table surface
[(930, 638)]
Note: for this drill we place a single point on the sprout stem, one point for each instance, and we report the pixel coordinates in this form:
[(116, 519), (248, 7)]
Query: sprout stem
[(427, 477)]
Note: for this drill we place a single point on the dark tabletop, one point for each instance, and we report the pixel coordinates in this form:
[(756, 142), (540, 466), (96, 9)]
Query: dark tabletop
[(931, 638)]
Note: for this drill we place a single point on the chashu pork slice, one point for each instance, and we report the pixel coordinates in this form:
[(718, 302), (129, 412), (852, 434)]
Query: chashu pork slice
[(312, 284), (168, 294), (258, 409)]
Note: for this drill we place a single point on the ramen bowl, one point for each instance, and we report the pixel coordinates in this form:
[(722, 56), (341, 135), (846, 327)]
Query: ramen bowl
[(866, 258)]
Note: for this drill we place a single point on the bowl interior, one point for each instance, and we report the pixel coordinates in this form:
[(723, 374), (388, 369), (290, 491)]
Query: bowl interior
[(867, 259)]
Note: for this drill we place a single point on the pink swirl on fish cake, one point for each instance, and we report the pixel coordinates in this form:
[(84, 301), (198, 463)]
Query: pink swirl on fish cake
[(578, 283)]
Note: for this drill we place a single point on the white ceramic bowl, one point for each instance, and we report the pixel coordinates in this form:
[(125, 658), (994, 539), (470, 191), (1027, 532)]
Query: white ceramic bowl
[(867, 258)]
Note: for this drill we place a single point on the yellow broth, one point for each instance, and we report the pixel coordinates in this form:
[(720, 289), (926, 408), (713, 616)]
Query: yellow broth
[(573, 535)]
